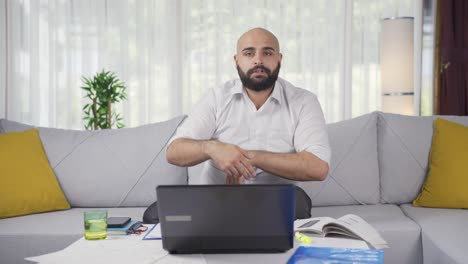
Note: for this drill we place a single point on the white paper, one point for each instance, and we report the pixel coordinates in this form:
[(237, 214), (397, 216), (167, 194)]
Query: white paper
[(154, 233), (49, 258), (84, 251), (114, 249), (181, 259)]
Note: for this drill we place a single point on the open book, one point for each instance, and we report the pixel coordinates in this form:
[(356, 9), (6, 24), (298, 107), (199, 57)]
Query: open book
[(348, 226)]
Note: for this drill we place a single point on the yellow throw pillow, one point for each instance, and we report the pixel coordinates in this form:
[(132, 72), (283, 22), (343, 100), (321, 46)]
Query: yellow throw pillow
[(446, 184), (27, 183)]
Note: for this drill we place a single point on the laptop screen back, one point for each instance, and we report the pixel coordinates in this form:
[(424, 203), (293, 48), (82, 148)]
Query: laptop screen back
[(226, 218)]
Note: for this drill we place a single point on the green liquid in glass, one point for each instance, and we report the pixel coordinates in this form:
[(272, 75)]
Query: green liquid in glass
[(95, 228)]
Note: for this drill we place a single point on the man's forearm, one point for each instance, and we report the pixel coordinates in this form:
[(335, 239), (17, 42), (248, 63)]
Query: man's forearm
[(302, 166), (187, 152), (229, 158)]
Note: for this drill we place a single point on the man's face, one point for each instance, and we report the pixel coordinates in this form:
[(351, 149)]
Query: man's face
[(258, 60)]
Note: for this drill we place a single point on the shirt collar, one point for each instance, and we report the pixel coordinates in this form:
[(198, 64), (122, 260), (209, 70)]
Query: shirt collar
[(276, 94), (237, 89), (277, 91)]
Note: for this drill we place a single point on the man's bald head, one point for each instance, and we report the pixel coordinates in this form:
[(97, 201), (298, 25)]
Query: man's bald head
[(256, 36)]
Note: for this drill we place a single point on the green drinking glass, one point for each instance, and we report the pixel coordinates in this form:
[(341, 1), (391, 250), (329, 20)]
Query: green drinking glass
[(95, 224)]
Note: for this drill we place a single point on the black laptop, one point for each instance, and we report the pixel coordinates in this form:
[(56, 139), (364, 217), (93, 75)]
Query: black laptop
[(226, 218)]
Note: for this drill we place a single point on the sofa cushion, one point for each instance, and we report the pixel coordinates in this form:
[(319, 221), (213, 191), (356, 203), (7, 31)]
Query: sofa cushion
[(444, 233), (403, 144), (354, 174), (110, 168), (446, 185), (38, 234), (400, 232), (28, 184)]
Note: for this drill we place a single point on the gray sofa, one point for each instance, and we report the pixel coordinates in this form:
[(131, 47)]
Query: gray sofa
[(378, 165)]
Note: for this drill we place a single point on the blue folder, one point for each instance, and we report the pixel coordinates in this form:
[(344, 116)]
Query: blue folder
[(316, 255)]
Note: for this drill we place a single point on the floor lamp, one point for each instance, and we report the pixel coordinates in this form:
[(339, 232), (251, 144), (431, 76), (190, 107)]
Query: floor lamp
[(397, 65)]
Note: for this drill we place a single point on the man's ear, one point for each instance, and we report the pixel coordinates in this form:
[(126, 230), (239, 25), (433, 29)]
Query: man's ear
[(280, 56), (235, 61)]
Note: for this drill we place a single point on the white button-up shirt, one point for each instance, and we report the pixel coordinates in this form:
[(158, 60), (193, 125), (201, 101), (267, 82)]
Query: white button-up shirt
[(291, 120)]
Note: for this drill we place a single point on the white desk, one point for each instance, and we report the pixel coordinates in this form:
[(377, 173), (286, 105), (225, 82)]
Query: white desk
[(132, 249)]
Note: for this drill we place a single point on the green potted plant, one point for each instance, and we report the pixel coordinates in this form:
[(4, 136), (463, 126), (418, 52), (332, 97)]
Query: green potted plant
[(104, 90)]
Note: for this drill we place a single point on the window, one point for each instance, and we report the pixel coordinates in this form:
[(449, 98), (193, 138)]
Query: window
[(170, 53)]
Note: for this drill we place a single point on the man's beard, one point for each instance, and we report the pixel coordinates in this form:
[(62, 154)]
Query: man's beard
[(260, 85)]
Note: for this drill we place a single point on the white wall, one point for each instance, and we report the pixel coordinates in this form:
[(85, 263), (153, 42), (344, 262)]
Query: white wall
[(2, 59)]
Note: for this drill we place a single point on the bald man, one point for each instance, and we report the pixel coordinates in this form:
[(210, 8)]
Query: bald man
[(257, 130)]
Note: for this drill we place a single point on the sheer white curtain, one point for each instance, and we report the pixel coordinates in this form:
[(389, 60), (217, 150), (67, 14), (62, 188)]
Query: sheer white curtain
[(366, 92), (2, 58), (51, 44), (170, 52)]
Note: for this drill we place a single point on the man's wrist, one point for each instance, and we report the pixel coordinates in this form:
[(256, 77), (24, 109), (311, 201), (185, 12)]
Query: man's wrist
[(254, 157), (207, 147)]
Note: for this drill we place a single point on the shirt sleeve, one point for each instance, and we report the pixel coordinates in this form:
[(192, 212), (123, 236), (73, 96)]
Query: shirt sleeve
[(311, 132), (201, 122)]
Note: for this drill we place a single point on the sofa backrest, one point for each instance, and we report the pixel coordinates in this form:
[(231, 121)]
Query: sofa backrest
[(377, 157), (353, 175), (404, 144), (109, 168)]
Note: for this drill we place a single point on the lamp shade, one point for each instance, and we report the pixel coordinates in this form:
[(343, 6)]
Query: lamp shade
[(397, 65)]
